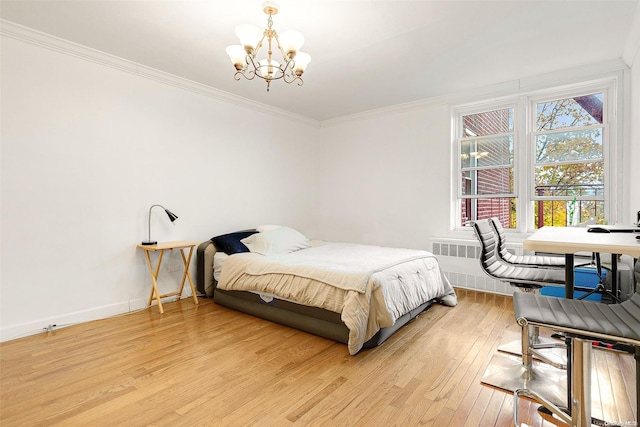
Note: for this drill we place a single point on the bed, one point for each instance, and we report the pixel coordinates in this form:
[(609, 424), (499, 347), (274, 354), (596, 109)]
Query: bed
[(354, 294)]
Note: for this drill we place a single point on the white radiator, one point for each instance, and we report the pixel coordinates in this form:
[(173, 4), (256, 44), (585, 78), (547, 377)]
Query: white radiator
[(460, 261)]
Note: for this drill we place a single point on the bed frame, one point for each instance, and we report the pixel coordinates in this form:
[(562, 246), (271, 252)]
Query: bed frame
[(314, 320)]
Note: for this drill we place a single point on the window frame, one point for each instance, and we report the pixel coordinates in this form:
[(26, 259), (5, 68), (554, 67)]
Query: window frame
[(524, 122), (458, 129)]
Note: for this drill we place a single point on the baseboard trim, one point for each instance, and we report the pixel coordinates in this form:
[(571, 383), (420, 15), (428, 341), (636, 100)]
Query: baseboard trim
[(46, 324)]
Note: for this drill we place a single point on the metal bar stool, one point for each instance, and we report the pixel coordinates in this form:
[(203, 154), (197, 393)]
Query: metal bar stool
[(538, 261), (510, 375), (582, 322)]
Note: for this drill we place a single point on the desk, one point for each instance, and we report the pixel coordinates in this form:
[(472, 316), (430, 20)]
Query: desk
[(569, 240), (186, 260)]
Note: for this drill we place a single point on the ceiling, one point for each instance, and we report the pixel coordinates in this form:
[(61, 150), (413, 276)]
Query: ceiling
[(365, 54)]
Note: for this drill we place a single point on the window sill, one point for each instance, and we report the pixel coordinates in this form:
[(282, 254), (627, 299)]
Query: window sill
[(468, 234)]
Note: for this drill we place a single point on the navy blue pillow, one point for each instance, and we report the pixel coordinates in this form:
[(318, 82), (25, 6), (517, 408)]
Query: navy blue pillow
[(230, 243)]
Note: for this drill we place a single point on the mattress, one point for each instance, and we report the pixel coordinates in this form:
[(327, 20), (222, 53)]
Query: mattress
[(387, 293)]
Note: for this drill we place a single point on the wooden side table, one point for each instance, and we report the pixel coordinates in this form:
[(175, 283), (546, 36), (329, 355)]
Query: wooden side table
[(186, 260)]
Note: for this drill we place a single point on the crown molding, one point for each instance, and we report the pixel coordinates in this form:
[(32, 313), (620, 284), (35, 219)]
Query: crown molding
[(47, 41), (495, 91), (632, 46)]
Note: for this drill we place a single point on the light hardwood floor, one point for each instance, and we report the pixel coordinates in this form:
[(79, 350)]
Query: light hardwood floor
[(208, 365)]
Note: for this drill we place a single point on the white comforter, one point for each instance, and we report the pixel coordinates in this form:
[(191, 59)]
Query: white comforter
[(370, 286)]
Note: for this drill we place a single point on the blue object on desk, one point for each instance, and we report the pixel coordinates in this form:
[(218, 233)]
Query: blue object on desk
[(584, 278)]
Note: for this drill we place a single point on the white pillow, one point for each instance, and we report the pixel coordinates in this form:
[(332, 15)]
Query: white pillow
[(268, 228), (218, 259), (279, 241)]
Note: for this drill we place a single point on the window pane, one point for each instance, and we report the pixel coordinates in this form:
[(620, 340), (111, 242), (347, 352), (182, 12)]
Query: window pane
[(477, 209), (487, 181), (578, 111), (578, 179), (563, 146), (557, 212), (488, 123), (487, 152)]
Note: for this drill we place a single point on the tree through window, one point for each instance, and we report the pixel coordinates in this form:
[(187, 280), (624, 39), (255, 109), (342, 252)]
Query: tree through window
[(569, 161)]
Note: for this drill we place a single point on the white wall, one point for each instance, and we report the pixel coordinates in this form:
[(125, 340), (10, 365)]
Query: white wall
[(87, 149), (385, 179)]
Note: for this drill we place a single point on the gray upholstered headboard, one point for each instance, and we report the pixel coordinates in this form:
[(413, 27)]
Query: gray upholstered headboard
[(204, 268)]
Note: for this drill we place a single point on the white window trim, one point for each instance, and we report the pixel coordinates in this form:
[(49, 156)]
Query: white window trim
[(523, 103)]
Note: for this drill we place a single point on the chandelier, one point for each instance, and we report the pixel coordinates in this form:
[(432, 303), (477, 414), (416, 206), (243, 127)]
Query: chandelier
[(252, 39)]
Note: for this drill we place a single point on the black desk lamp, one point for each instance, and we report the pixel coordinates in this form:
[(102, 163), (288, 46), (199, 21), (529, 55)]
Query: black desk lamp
[(171, 216)]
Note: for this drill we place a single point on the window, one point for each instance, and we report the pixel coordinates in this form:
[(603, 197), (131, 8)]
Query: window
[(569, 161), (537, 159), (486, 159)]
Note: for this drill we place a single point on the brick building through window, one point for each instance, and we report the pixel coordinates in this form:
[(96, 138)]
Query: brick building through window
[(487, 158)]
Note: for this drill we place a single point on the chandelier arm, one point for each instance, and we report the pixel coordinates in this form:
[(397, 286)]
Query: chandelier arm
[(253, 64), (290, 76), (293, 78), (282, 52), (243, 74), (259, 45)]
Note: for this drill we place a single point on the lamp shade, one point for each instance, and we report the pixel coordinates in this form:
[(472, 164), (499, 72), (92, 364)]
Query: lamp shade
[(237, 55), (301, 62), (171, 215), (291, 41), (249, 35)]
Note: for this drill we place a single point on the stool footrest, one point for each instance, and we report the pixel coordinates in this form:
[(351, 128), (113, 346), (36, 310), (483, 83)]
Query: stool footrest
[(555, 410)]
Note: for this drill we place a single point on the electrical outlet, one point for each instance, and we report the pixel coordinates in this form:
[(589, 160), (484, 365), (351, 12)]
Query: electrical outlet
[(173, 267)]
